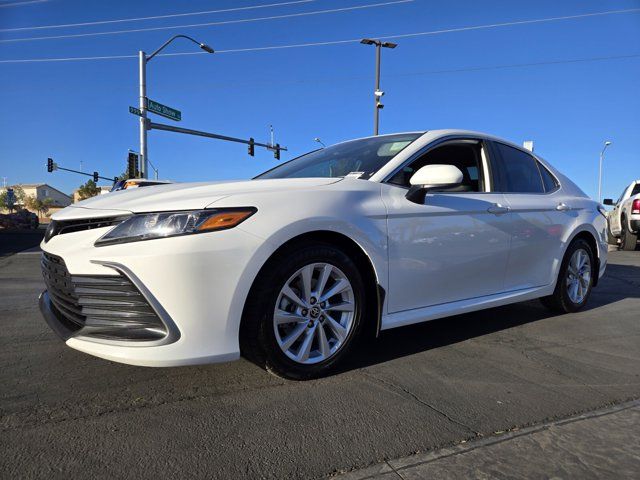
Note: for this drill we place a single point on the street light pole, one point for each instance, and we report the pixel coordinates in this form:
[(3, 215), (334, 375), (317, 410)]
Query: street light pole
[(377, 93), (143, 59), (376, 103), (606, 144), (142, 62)]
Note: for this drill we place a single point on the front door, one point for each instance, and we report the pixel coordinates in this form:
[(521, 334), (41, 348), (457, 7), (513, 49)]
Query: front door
[(455, 245)]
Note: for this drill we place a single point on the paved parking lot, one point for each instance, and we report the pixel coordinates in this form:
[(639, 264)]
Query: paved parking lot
[(66, 414)]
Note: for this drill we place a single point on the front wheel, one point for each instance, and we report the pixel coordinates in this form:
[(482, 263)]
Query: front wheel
[(304, 313), (575, 279)]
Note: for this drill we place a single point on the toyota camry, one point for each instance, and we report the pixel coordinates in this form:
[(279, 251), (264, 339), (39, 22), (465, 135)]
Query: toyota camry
[(291, 268)]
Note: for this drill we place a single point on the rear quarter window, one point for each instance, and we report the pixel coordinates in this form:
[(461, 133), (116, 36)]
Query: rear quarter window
[(549, 181)]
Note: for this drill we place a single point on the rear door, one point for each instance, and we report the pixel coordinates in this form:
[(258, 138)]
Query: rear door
[(539, 216)]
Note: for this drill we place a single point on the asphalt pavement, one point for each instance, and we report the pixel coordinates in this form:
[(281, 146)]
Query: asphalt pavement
[(64, 414)]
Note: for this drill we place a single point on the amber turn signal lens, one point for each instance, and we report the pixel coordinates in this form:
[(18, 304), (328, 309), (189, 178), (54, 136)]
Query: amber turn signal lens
[(224, 220)]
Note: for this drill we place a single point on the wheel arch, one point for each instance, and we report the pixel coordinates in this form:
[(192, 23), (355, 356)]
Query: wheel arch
[(366, 266)]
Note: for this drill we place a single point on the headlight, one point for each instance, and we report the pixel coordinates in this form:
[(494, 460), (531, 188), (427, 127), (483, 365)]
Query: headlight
[(148, 226)]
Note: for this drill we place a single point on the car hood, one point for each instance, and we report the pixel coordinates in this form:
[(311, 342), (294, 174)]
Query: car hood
[(180, 196)]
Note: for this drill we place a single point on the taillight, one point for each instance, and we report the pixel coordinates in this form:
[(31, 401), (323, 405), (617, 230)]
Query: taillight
[(635, 206)]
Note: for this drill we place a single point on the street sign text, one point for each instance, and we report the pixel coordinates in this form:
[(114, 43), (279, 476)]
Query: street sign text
[(163, 110)]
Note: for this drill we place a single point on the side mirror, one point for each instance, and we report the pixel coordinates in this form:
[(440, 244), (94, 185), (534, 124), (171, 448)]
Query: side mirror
[(430, 177), (608, 201)]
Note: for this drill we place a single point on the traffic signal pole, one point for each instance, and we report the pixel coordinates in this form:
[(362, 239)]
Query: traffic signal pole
[(163, 110), (142, 61), (51, 166), (251, 142)]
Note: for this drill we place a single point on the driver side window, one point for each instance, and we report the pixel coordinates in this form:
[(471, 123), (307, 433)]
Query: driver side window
[(466, 156)]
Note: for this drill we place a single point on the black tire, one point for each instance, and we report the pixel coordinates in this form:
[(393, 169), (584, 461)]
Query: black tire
[(258, 341), (559, 301), (628, 240)]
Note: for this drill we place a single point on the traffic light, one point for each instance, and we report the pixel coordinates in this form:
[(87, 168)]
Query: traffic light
[(49, 165), (276, 152), (132, 165), (252, 147), (95, 177)]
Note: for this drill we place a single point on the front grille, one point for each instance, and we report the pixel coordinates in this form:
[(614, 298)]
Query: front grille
[(100, 306), (58, 227)]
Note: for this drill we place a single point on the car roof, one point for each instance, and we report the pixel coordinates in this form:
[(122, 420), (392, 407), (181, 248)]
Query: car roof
[(443, 132)]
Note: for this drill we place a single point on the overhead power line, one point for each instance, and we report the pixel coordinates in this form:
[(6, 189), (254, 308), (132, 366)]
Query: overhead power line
[(344, 78), (156, 17), (208, 24), (19, 4), (336, 42)]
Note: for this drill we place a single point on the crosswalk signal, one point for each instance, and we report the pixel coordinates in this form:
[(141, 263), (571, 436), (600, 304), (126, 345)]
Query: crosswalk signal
[(132, 165), (95, 177), (252, 147), (50, 165), (276, 152)]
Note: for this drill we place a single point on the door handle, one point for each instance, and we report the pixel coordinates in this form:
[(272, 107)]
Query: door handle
[(563, 207), (498, 209)]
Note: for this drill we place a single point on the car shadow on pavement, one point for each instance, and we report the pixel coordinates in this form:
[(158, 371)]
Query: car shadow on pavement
[(620, 282), (14, 241)]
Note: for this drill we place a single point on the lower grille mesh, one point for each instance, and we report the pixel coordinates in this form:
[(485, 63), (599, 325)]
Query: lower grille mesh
[(102, 306)]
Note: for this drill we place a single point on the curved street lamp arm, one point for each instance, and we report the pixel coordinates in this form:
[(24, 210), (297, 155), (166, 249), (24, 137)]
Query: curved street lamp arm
[(206, 48)]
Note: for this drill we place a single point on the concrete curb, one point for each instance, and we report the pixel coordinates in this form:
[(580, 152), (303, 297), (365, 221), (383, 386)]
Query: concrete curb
[(392, 469)]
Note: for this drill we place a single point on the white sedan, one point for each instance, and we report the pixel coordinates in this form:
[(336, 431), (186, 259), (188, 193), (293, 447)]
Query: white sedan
[(291, 268)]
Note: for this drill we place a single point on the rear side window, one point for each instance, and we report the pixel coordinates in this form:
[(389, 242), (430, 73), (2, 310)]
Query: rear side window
[(517, 171), (636, 190), (549, 181)]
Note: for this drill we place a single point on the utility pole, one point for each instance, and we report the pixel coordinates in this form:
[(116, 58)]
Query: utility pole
[(377, 93), (143, 59), (606, 144)]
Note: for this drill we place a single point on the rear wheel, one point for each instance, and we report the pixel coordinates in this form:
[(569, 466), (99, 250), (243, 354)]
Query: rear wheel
[(304, 313), (575, 279), (628, 240)]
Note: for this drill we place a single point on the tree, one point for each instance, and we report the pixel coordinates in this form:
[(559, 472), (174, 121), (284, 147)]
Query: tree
[(18, 194), (88, 190), (41, 207)]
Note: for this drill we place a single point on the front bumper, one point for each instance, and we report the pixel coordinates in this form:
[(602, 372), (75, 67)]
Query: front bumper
[(197, 284)]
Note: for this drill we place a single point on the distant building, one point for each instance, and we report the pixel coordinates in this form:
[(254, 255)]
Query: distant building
[(103, 190), (41, 191)]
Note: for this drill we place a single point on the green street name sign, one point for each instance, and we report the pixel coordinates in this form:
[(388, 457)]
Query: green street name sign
[(163, 110), (135, 111)]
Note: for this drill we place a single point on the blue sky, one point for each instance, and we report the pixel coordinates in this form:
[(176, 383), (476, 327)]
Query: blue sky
[(78, 110)]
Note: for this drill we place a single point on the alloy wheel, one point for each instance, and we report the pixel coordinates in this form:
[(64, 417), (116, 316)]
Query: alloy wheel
[(314, 313), (579, 276)]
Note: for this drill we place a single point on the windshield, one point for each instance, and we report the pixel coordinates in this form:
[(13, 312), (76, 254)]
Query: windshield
[(361, 158)]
